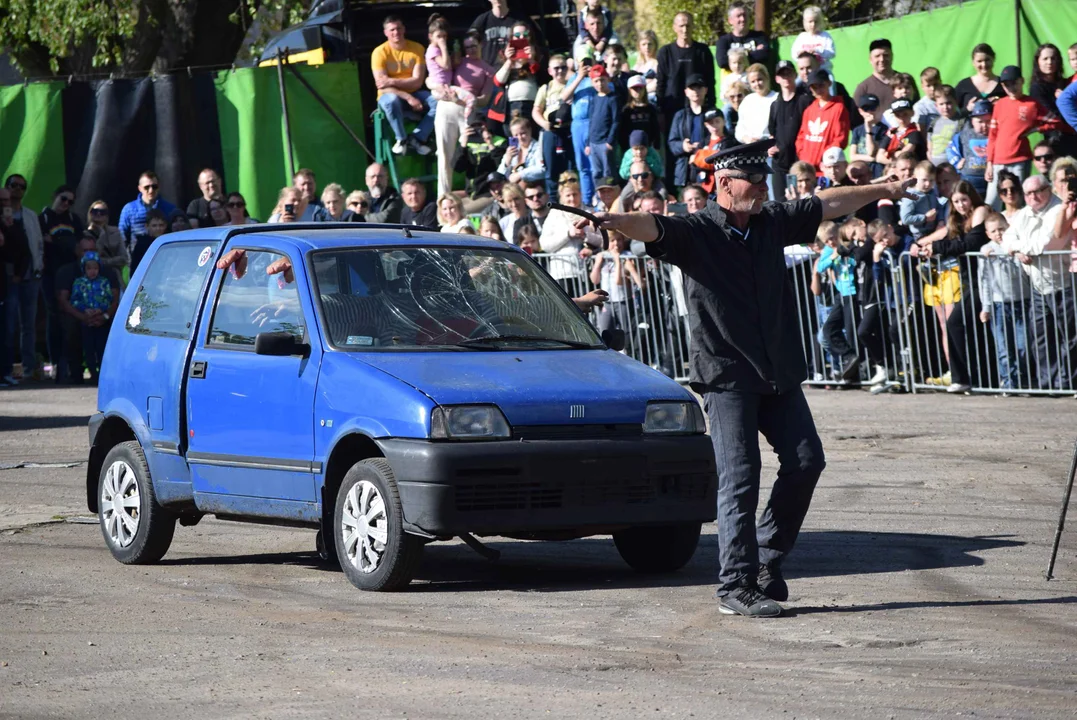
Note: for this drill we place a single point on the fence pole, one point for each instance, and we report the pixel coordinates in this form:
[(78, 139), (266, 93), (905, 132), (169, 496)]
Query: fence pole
[(284, 110), (1017, 27)]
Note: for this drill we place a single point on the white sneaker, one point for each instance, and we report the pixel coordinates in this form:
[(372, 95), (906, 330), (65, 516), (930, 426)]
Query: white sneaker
[(419, 146), (880, 388), (400, 148), (880, 376), (958, 388)]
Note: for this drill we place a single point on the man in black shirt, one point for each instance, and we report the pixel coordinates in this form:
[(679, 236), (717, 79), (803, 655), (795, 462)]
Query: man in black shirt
[(495, 26), (676, 62), (786, 112), (209, 182), (746, 357), (754, 42), (417, 211)]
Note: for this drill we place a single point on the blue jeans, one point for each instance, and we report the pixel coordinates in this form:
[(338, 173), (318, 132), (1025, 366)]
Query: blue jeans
[(822, 312), (557, 155), (581, 134), (1011, 343), (396, 111), (736, 419), (21, 307), (600, 162)]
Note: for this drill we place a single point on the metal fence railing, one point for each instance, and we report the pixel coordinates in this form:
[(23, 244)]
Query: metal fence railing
[(974, 323)]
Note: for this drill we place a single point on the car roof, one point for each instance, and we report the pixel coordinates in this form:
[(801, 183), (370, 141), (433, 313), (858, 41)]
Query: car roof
[(327, 236)]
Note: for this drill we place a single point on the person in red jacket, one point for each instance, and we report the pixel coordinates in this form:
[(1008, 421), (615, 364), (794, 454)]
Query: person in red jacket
[(825, 123), (1014, 117)]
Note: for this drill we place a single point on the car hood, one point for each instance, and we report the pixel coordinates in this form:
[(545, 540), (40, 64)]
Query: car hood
[(535, 387)]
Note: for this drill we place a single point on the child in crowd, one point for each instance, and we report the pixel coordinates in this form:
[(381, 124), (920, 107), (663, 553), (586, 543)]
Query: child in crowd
[(640, 150), (440, 64), (903, 88), (944, 126), (92, 295), (803, 183), (489, 227), (738, 70), (921, 215), (718, 139), (1013, 119), (1072, 54), (822, 287), (605, 116), (839, 329), (687, 132), (824, 123), (637, 114), (480, 153), (968, 150), (1005, 297), (606, 36), (869, 136), (815, 39), (156, 226), (527, 238), (925, 109), (733, 97), (904, 135), (616, 271), (876, 259)]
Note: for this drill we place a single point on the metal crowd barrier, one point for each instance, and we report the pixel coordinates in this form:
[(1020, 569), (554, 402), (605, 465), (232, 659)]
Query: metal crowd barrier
[(925, 333)]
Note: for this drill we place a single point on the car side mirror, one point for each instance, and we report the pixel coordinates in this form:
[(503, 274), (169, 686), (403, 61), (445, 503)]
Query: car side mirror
[(614, 339), (282, 344)]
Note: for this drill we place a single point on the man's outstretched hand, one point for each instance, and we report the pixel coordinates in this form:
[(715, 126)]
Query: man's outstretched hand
[(237, 261)]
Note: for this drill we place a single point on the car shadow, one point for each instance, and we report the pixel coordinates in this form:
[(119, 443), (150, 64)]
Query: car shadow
[(594, 563), (9, 423)]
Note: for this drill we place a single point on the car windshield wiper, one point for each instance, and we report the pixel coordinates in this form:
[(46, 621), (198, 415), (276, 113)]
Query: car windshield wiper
[(485, 339)]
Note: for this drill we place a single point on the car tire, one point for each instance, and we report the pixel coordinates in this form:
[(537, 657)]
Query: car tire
[(368, 529), (658, 549), (136, 528)]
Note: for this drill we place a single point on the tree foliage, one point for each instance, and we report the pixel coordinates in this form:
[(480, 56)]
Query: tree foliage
[(83, 37)]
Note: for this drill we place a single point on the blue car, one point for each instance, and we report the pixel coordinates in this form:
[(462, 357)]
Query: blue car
[(388, 388)]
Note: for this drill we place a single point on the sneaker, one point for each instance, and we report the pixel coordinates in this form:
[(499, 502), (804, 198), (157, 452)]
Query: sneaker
[(946, 379), (400, 148), (881, 388), (9, 381), (852, 370), (958, 388), (749, 601), (418, 145), (880, 376), (772, 583)]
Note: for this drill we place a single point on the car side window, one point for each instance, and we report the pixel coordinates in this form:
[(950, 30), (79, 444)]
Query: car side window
[(252, 301), (167, 297)]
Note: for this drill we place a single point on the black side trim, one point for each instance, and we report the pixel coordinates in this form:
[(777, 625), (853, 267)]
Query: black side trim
[(257, 463), (166, 448)]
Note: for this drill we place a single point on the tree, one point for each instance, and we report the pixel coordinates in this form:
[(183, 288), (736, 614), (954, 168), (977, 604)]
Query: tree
[(81, 37)]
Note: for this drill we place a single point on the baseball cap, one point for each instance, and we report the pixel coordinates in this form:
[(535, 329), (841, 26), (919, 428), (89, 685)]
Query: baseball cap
[(607, 182), (637, 138), (636, 81), (982, 107), (1010, 73), (819, 77), (833, 156), (784, 65), (496, 177), (900, 104), (880, 44), (712, 114), (694, 79), (597, 71), (869, 102)]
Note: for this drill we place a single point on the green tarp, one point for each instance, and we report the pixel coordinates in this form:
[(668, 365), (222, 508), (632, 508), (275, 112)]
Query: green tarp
[(253, 140), (32, 139)]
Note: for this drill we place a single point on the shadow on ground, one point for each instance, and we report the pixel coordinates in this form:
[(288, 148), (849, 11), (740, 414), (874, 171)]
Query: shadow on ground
[(593, 563), (48, 422)]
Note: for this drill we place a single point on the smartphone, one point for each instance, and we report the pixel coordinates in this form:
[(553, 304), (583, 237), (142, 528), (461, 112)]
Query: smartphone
[(791, 181), (677, 209), (514, 142), (8, 213), (289, 208), (519, 44)]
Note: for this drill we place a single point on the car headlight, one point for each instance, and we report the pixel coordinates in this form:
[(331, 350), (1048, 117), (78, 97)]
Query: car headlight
[(468, 422), (680, 418)]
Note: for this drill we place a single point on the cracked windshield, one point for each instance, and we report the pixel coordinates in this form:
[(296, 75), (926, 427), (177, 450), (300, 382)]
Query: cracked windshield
[(438, 298)]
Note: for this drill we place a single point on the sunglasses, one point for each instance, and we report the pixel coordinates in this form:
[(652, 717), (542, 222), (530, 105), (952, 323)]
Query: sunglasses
[(99, 211), (16, 185), (753, 178), (67, 199), (641, 176), (535, 196), (470, 46), (736, 96), (559, 68), (1041, 190), (519, 35), (1011, 190), (150, 187), (237, 204), (1043, 158)]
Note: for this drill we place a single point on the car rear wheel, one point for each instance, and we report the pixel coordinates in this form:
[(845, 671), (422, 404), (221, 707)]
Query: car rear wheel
[(374, 551), (658, 549), (137, 529)]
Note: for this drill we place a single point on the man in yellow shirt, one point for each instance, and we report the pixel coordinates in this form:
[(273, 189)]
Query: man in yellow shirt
[(399, 72)]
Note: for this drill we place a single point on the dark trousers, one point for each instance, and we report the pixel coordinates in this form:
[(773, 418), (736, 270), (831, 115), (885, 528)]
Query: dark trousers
[(878, 333), (5, 351), (736, 419), (72, 357), (970, 359), (54, 334), (839, 327), (1054, 329), (93, 346)]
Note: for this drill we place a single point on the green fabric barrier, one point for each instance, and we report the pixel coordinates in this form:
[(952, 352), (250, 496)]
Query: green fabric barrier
[(253, 140), (32, 128)]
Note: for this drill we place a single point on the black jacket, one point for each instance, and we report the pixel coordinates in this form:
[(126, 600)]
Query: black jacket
[(386, 209), (643, 118), (755, 42), (785, 116), (675, 64)]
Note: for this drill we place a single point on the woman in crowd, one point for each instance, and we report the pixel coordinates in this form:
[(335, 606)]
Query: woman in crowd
[(754, 112), (984, 84), (523, 160), (1011, 193), (561, 238), (1048, 82), (111, 248), (451, 214), (513, 200), (218, 212), (177, 222), (451, 118), (647, 61), (359, 203), (964, 232), (237, 210), (333, 199), (733, 97), (290, 206), (515, 87)]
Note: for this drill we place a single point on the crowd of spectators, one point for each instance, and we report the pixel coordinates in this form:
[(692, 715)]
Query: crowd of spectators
[(594, 128)]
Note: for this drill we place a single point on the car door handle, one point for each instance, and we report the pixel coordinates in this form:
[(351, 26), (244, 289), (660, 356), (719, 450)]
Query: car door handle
[(198, 369)]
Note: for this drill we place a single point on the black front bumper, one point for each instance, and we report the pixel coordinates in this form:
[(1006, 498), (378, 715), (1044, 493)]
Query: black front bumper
[(520, 486)]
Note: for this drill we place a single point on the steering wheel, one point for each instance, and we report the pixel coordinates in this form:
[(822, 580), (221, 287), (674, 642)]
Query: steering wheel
[(584, 214)]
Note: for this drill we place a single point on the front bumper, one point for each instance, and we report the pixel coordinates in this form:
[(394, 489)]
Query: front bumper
[(519, 486)]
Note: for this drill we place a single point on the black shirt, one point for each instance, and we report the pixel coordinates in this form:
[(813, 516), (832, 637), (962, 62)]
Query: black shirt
[(785, 117), (755, 43), (496, 32), (643, 118), (198, 209), (675, 64), (60, 233), (427, 217), (965, 91), (741, 307)]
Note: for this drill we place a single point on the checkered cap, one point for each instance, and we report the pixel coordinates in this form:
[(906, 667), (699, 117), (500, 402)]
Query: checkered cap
[(748, 158)]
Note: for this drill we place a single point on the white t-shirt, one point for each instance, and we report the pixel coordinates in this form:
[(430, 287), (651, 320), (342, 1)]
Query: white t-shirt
[(608, 280)]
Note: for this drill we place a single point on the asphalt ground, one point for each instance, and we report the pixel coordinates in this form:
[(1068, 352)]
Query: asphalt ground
[(917, 591)]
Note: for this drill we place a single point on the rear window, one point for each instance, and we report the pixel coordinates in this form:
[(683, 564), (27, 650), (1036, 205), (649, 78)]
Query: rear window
[(166, 299)]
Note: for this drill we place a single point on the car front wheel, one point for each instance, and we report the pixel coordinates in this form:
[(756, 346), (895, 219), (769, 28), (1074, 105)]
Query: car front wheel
[(658, 549), (137, 530), (374, 551)]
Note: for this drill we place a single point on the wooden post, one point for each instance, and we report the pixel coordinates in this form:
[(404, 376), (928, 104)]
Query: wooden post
[(1017, 25), (762, 15)]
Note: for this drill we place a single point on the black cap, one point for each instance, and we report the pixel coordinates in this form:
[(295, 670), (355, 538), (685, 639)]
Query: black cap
[(712, 114), (881, 43), (900, 104), (751, 158), (495, 177), (819, 77), (1010, 73), (869, 102), (784, 65), (694, 79), (607, 182)]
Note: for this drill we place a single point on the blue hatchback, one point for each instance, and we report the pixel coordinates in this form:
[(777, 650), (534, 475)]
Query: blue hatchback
[(388, 388)]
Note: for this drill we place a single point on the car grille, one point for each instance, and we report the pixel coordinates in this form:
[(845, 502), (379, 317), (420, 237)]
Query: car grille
[(592, 492), (577, 432)]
